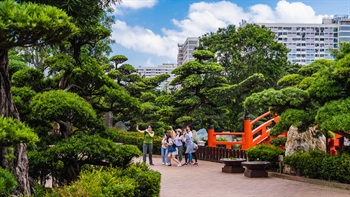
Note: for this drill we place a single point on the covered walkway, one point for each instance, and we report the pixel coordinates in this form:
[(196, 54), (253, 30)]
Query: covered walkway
[(207, 180)]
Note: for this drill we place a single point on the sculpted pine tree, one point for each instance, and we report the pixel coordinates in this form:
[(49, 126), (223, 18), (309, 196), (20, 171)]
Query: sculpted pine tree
[(245, 53), (25, 25)]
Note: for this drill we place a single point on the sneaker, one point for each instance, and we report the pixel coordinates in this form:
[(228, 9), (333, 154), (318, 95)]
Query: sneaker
[(184, 164), (195, 164), (151, 164), (179, 165), (163, 163)]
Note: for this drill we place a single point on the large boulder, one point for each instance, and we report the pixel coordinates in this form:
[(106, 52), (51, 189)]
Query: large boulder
[(311, 139)]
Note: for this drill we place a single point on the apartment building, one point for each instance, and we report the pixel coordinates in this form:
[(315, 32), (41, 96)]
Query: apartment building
[(311, 41), (186, 49), (149, 72)]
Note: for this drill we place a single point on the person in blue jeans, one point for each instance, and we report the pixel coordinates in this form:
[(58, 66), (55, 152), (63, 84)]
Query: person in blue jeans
[(164, 150)]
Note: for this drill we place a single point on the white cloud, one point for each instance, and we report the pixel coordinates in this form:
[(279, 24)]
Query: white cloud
[(143, 40), (134, 5), (261, 13), (206, 17), (296, 12)]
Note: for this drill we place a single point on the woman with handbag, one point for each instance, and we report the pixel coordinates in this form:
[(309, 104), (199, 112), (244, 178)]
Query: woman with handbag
[(172, 150)]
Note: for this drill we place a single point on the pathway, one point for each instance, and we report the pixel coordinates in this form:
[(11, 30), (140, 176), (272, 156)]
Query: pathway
[(207, 180)]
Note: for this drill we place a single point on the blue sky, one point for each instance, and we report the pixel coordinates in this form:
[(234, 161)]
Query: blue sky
[(147, 31)]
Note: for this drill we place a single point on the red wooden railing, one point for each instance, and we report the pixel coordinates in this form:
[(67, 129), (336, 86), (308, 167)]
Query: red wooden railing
[(261, 133)]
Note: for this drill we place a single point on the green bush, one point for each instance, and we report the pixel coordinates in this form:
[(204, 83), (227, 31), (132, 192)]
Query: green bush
[(7, 182), (278, 141), (264, 152), (148, 180), (132, 138), (99, 183), (135, 181), (320, 165)]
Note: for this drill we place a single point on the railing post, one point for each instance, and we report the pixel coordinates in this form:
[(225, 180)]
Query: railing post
[(247, 138), (211, 136)]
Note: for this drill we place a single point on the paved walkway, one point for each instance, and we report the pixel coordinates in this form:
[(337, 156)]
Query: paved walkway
[(207, 180)]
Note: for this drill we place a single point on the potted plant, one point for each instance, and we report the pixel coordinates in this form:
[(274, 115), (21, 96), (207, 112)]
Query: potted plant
[(232, 165)]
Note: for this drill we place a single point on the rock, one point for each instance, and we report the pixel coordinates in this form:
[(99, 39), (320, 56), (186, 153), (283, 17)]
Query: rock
[(120, 126), (311, 139), (202, 134)]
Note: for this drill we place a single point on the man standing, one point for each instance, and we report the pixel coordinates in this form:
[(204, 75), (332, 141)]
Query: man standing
[(147, 143)]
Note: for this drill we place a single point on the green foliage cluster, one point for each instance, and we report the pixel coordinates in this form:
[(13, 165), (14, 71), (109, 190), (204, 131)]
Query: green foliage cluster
[(148, 180), (136, 181), (221, 139), (73, 153), (14, 132), (33, 24), (251, 61), (7, 182), (132, 138), (278, 141), (320, 165), (264, 152), (316, 95)]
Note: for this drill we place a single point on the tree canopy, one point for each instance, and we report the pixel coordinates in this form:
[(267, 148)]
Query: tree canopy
[(317, 95)]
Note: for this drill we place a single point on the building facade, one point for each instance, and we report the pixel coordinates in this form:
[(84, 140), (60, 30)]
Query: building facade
[(308, 41), (186, 49), (149, 72)]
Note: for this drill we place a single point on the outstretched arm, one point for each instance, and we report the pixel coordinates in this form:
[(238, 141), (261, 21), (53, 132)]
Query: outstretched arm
[(137, 129)]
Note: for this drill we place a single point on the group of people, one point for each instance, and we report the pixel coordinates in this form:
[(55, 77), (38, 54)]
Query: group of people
[(174, 145)]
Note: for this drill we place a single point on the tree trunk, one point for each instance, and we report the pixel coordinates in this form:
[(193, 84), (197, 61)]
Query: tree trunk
[(108, 119), (8, 109)]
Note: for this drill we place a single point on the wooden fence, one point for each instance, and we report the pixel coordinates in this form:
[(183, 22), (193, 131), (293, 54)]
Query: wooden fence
[(215, 154)]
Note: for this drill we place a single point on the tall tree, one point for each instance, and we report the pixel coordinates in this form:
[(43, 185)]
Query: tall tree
[(25, 25), (318, 95), (196, 78), (243, 52)]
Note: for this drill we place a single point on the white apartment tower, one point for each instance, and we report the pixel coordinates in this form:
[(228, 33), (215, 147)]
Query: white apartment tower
[(149, 72), (311, 41), (186, 49)]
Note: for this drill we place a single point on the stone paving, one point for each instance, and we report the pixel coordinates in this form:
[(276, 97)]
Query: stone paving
[(207, 180)]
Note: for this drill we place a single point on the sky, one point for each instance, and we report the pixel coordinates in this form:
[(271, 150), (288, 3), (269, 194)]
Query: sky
[(147, 31)]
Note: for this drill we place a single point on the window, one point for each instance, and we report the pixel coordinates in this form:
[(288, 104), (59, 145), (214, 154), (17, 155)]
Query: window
[(344, 33)]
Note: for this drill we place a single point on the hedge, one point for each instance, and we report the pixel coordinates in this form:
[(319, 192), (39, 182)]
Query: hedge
[(320, 165), (135, 181), (132, 138), (264, 152)]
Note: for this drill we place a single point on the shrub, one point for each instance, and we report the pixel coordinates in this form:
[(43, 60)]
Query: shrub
[(264, 152), (7, 182), (132, 138), (148, 180), (135, 181), (318, 164), (278, 141), (99, 183)]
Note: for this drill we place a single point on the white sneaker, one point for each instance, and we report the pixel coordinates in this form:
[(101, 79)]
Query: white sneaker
[(163, 163)]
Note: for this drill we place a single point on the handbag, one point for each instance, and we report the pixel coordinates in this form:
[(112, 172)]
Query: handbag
[(195, 146), (171, 149)]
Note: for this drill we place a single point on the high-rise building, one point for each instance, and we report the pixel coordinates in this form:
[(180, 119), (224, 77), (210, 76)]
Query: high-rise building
[(149, 72), (186, 49), (311, 41)]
